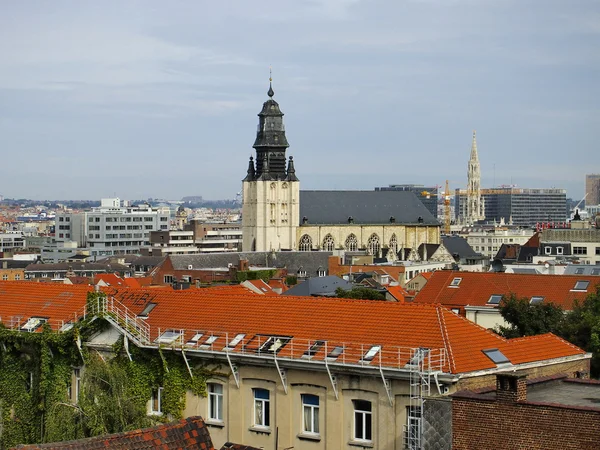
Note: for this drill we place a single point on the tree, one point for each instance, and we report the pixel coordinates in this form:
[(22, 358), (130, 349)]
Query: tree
[(360, 293), (526, 319)]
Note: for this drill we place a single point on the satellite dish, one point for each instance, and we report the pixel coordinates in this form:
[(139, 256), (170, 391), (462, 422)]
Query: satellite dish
[(497, 266)]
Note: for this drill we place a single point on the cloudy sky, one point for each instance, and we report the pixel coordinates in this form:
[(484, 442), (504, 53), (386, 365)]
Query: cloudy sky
[(154, 98)]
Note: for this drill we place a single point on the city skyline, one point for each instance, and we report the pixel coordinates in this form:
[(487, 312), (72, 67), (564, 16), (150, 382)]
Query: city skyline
[(147, 100)]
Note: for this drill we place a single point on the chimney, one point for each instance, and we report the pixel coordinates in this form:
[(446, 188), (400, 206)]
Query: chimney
[(243, 265), (511, 388)]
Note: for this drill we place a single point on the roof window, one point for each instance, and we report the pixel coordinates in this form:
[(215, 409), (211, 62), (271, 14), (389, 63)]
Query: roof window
[(496, 356), (581, 285), (455, 282), (313, 349), (209, 342), (595, 271), (371, 353), (67, 326), (274, 344), (34, 323), (194, 340), (579, 271), (494, 299), (235, 341), (536, 300), (335, 353), (168, 337), (149, 307), (418, 356)]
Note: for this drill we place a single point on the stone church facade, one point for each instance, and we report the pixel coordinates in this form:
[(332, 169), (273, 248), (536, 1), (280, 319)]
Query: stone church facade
[(277, 216)]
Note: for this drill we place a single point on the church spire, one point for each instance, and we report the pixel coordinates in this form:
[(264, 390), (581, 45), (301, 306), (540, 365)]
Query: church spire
[(270, 92), (250, 174), (474, 154)]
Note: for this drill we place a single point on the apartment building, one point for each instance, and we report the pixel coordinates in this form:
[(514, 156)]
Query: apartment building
[(113, 228), (487, 240), (11, 242), (295, 371)]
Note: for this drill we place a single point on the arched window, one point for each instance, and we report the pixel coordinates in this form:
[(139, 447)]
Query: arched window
[(351, 243), (394, 245), (305, 243), (328, 243), (373, 245)]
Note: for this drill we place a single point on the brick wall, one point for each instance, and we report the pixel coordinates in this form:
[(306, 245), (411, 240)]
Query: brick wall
[(509, 422)]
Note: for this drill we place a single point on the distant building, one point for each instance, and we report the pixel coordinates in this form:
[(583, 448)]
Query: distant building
[(522, 207), (427, 194), (592, 189), (475, 206), (11, 243), (488, 240)]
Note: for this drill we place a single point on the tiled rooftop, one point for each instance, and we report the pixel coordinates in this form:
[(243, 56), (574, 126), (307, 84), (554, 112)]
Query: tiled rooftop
[(475, 288)]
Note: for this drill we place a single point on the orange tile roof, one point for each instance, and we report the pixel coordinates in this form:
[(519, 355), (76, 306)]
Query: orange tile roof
[(398, 292), (355, 324), (475, 288), (109, 278)]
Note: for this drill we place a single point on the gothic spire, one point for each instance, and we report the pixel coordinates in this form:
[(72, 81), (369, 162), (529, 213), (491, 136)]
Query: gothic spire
[(250, 174), (474, 154), (291, 172)]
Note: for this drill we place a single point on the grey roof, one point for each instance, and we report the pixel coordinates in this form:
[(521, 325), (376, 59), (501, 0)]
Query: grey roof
[(365, 207), (310, 262), (319, 286), (575, 269), (457, 245), (522, 270), (63, 267), (14, 263)]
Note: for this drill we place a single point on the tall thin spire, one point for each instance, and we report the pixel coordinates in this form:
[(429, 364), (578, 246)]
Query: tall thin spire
[(474, 154)]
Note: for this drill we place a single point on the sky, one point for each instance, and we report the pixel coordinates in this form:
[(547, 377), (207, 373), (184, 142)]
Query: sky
[(153, 99)]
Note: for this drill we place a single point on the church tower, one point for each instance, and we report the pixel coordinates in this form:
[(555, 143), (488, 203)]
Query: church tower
[(474, 203), (271, 190)]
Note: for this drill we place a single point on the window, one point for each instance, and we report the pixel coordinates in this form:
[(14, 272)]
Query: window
[(335, 353), (149, 307), (580, 250), (363, 428), (594, 272), (168, 337), (305, 243), (215, 402), (581, 285), (4, 277), (373, 245), (559, 250), (235, 341), (547, 250), (328, 243), (156, 401), (351, 243), (33, 323), (455, 282), (455, 310), (262, 413), (535, 300), (494, 299), (76, 386), (310, 414), (168, 279), (597, 250), (371, 353), (579, 271), (496, 356), (274, 344), (313, 349)]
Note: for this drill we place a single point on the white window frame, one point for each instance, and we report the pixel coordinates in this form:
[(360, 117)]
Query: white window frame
[(361, 434), (265, 421), (156, 397), (215, 402), (312, 411)]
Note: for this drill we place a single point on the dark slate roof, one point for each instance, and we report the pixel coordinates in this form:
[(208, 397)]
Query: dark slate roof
[(135, 260), (431, 249), (310, 262), (319, 286), (365, 207), (457, 245), (61, 267), (190, 433), (582, 269), (14, 263)]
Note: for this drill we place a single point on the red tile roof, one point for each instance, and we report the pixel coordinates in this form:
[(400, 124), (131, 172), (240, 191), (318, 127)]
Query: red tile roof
[(190, 433), (475, 288), (398, 292), (226, 311)]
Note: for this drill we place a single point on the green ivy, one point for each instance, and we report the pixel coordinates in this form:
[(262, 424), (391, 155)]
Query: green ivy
[(114, 389), (265, 275)]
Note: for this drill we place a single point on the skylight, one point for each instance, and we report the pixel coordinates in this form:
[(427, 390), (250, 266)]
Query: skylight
[(194, 340), (34, 323), (235, 341), (67, 326), (455, 282), (336, 352), (168, 337), (536, 300), (209, 341), (595, 271), (149, 307), (496, 356), (371, 353), (313, 349), (274, 344), (581, 285), (494, 299)]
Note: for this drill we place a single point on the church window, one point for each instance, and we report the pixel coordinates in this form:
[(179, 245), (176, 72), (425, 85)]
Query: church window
[(351, 243), (328, 243), (394, 244), (373, 245), (305, 243)]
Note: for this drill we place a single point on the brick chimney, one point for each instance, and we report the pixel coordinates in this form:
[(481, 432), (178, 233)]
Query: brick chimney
[(511, 388), (243, 265)]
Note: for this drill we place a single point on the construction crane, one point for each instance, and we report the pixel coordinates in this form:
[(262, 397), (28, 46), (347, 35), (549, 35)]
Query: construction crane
[(447, 208)]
